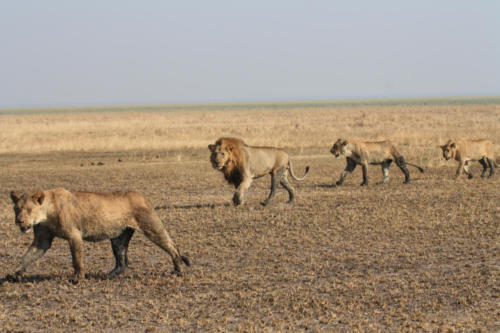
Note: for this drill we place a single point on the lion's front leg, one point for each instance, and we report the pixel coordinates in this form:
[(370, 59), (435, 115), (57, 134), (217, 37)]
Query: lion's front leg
[(41, 243), (461, 165), (467, 170), (351, 165), (365, 174), (240, 190), (76, 247)]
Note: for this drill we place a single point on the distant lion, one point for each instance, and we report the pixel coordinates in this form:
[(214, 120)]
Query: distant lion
[(241, 164), (463, 151), (375, 153), (79, 216)]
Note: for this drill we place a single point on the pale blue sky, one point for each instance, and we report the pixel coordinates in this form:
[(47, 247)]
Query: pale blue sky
[(99, 52)]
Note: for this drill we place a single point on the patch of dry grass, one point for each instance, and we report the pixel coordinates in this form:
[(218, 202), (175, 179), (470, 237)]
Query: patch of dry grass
[(392, 257), (417, 128)]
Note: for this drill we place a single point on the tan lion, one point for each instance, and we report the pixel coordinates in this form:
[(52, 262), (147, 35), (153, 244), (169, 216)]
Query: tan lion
[(241, 164), (79, 216), (464, 151), (375, 153)]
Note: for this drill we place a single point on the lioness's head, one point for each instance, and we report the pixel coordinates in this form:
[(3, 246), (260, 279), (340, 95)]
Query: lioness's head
[(338, 147), (29, 209), (449, 150)]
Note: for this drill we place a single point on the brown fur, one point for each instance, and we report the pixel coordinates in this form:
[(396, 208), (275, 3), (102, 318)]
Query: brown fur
[(464, 151), (92, 217), (364, 153), (241, 163)]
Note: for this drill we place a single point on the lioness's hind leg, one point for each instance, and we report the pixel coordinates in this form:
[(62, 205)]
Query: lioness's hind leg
[(120, 249), (484, 162), (286, 184), (491, 163), (401, 164), (155, 231)]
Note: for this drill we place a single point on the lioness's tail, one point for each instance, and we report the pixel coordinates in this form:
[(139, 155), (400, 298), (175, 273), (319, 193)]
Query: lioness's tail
[(293, 175), (415, 166), (184, 259)]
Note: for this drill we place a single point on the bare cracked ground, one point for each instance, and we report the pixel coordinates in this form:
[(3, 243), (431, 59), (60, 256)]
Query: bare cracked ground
[(392, 257)]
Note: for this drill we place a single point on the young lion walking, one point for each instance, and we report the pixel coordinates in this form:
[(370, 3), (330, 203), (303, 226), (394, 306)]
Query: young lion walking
[(79, 216), (374, 153)]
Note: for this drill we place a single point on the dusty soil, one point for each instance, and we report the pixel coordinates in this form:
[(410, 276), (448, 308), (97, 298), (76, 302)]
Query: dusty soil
[(392, 257)]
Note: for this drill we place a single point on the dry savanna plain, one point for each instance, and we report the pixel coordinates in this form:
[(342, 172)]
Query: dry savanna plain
[(422, 256)]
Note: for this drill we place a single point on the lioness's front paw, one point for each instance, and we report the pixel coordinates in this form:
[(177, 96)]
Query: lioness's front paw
[(176, 272), (237, 199)]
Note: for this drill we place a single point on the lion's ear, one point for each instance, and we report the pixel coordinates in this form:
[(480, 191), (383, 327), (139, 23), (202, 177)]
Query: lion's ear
[(211, 147), (452, 145), (14, 196), (230, 148), (39, 197), (344, 143)]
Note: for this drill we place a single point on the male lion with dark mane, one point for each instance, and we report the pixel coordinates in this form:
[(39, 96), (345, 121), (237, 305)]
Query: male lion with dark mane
[(375, 153), (241, 164), (79, 216), (464, 151)]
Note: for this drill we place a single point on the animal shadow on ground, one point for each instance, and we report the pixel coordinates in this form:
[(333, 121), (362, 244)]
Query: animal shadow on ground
[(322, 186), (26, 279), (198, 205)]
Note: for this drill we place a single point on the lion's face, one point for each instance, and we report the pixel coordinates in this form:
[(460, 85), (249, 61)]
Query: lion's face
[(338, 148), (220, 156), (29, 210), (448, 150)]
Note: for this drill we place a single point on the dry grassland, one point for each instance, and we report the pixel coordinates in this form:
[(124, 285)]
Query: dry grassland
[(394, 257)]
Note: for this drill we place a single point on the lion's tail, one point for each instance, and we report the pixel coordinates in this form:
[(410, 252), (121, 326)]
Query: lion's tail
[(293, 175), (415, 166)]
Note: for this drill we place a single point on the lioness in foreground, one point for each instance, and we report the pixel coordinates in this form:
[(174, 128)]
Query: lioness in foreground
[(241, 164), (79, 216), (463, 151), (364, 153)]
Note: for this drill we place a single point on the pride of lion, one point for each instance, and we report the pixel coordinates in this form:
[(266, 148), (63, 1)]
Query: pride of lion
[(87, 216)]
